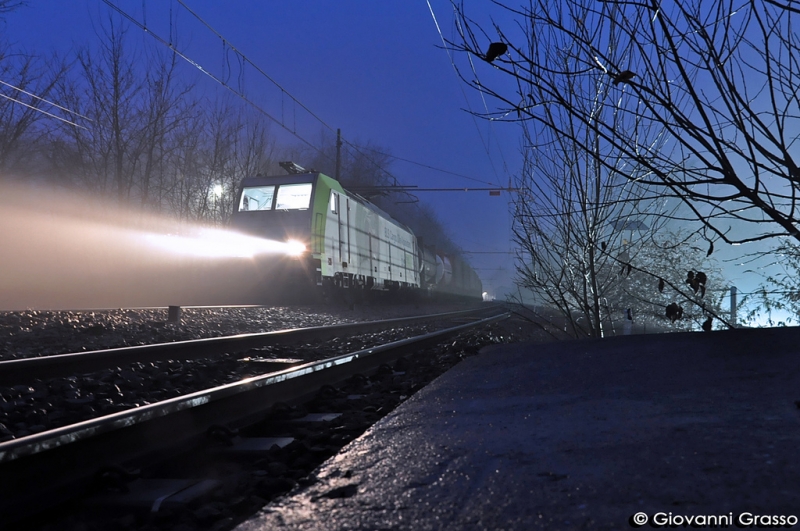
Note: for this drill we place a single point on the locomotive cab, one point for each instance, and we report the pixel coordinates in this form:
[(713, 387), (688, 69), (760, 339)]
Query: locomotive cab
[(276, 208), (280, 209)]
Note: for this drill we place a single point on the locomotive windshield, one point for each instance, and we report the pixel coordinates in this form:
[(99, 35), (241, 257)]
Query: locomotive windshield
[(257, 198), (294, 196), (289, 197)]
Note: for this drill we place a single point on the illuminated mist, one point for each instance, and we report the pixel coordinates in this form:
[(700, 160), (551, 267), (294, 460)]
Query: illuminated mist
[(62, 251)]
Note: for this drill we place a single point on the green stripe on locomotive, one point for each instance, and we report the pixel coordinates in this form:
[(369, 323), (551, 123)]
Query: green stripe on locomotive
[(322, 198), (319, 216)]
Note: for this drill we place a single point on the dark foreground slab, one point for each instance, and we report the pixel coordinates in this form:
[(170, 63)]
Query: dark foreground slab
[(576, 435)]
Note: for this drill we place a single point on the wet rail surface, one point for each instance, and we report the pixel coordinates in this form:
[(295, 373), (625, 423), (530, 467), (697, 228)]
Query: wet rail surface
[(60, 365), (57, 463)]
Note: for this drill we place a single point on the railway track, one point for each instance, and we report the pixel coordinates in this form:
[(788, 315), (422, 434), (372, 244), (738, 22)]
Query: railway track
[(19, 371), (53, 466)]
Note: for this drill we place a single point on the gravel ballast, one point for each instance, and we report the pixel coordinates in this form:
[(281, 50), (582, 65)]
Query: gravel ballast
[(34, 333), (37, 406), (30, 407)]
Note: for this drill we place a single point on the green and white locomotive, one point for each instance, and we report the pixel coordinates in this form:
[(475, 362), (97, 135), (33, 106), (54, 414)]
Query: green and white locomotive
[(341, 241)]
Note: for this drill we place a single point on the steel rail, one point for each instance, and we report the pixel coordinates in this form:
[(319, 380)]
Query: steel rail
[(59, 463), (61, 365)]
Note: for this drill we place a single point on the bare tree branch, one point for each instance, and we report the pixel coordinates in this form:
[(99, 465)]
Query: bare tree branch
[(704, 96)]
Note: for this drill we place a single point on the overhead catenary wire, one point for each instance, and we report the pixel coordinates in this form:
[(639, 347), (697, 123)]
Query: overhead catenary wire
[(423, 165), (210, 75), (51, 115), (228, 46), (415, 188), (245, 60), (486, 108), (486, 143), (43, 100), (463, 93)]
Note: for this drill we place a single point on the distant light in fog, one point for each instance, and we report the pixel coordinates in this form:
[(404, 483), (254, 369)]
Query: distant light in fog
[(216, 243), (216, 191)]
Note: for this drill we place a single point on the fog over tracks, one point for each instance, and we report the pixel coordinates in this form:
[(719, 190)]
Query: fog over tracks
[(61, 250)]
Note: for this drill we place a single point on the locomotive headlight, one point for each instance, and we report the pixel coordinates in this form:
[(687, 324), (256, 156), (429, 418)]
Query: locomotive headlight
[(295, 248)]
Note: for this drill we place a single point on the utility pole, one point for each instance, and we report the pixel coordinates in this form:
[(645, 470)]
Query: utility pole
[(338, 153), (733, 306)]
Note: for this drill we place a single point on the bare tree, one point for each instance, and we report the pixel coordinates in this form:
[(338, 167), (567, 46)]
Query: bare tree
[(578, 235), (218, 168), (720, 79), (673, 257), (109, 92), (166, 107), (180, 185), (588, 215), (595, 246), (363, 165), (26, 114), (254, 153), (6, 6), (776, 302), (137, 123)]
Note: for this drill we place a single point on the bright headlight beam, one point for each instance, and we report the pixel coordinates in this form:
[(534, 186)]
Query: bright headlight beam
[(295, 248), (215, 243)]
